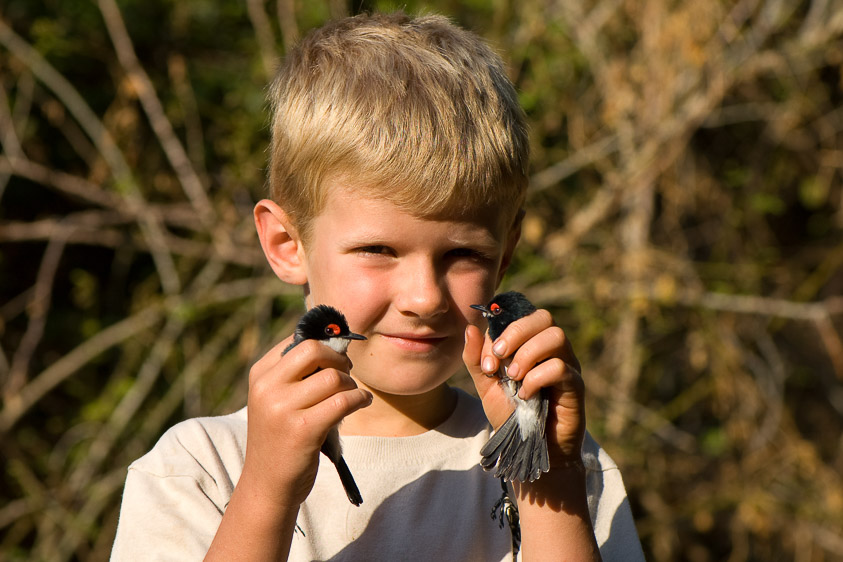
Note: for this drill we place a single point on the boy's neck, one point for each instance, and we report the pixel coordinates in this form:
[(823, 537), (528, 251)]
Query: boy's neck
[(401, 416)]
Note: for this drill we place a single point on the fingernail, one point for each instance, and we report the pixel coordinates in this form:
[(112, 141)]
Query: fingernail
[(499, 348), (466, 333), (512, 370), (488, 364)]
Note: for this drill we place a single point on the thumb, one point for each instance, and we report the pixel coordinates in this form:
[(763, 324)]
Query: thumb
[(471, 356)]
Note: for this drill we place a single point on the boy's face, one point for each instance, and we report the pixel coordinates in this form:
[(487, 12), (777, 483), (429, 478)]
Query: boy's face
[(404, 282)]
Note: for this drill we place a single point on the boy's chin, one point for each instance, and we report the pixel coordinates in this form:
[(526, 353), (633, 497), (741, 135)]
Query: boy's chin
[(404, 384)]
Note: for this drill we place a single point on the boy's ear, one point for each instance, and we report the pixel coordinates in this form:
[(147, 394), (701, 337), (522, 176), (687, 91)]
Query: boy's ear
[(512, 239), (280, 243)]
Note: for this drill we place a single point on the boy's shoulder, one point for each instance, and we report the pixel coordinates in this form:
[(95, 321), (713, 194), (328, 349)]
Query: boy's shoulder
[(198, 448), (594, 457)]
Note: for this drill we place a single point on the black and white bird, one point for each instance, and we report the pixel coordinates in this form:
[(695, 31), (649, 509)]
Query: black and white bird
[(518, 449), (327, 325)]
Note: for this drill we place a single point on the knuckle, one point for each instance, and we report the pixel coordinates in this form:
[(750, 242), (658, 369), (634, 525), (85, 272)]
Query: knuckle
[(557, 365), (258, 387), (557, 336), (544, 316), (278, 410), (517, 330), (299, 426), (341, 402), (309, 347), (331, 378)]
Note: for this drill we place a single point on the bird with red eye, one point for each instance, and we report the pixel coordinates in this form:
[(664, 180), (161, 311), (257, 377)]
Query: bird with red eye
[(518, 449), (329, 327)]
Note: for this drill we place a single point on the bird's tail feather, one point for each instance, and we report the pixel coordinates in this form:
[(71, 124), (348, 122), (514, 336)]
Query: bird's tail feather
[(348, 482), (513, 458)]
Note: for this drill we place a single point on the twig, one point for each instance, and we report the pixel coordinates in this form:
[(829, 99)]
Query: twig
[(8, 135), (37, 307), (647, 418), (189, 377), (181, 215), (15, 305), (128, 405), (15, 510), (16, 406), (147, 376), (770, 374), (583, 157), (832, 342), (23, 101), (97, 498), (635, 235), (719, 302), (173, 149), (94, 128), (559, 246), (99, 235), (287, 21), (762, 306), (264, 35), (73, 185)]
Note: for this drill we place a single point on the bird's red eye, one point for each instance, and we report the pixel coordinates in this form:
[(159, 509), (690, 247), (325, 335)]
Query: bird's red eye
[(332, 329), (495, 308)]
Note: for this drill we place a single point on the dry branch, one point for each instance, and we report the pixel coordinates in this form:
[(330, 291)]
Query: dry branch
[(37, 309), (170, 143), (92, 125)]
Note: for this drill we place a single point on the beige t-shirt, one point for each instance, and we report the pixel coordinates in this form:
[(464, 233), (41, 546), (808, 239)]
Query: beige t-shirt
[(425, 497)]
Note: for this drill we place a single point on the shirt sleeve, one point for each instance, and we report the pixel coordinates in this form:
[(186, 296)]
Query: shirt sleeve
[(611, 515), (164, 518), (614, 527), (176, 494)]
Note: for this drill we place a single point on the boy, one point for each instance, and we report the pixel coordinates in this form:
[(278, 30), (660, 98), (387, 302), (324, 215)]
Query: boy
[(398, 170)]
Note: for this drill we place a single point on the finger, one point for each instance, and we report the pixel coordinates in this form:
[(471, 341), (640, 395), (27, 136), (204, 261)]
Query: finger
[(271, 357), (550, 342), (301, 362), (472, 352), (554, 373), (320, 386), (330, 411)]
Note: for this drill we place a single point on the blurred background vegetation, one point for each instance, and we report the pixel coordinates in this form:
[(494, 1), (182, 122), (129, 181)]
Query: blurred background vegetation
[(684, 225)]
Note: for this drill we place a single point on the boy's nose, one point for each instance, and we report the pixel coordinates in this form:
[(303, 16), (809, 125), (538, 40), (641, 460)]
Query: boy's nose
[(421, 291)]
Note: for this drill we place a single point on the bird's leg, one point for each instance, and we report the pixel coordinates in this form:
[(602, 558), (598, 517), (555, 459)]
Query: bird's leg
[(509, 513)]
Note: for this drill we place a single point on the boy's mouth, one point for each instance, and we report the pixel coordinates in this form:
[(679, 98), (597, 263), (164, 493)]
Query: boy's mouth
[(415, 342)]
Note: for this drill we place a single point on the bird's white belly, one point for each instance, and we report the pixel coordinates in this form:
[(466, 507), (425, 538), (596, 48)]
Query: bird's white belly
[(526, 411)]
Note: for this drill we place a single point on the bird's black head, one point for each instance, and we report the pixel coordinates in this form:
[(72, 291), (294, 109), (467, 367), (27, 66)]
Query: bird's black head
[(504, 309), (326, 324)]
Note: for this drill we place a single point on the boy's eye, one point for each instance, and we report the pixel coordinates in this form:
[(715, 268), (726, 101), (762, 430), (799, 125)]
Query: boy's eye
[(468, 253), (376, 249)]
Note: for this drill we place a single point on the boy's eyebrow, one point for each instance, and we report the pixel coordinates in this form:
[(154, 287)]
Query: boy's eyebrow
[(486, 240), (482, 238)]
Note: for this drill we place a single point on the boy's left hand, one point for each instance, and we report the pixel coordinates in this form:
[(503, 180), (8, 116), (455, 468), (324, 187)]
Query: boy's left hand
[(542, 357)]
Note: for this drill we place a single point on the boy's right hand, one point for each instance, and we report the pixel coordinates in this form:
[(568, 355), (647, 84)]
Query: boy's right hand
[(294, 400)]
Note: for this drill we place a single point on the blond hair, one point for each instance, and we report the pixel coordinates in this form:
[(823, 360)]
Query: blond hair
[(416, 111)]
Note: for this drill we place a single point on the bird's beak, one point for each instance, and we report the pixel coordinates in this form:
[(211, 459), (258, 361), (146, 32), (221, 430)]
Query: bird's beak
[(486, 312), (353, 336)]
